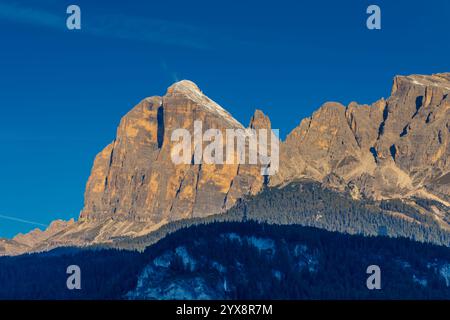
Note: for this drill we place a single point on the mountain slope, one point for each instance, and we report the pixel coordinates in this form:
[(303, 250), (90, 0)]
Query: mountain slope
[(309, 203)]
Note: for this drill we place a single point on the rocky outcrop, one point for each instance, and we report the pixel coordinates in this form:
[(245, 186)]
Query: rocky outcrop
[(394, 148), (37, 235), (11, 247)]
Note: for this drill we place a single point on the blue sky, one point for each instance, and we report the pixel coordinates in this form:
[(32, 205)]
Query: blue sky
[(62, 93)]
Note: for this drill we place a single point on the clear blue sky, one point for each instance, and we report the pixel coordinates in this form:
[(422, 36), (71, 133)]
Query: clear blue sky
[(62, 93)]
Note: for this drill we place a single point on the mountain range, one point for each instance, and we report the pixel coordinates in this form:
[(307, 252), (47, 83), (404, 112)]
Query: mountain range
[(391, 155)]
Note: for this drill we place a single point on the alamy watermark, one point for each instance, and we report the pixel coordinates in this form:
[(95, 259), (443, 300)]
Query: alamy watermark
[(74, 280), (228, 146), (73, 21), (374, 20), (374, 280)]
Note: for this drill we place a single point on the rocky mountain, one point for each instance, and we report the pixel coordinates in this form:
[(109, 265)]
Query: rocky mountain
[(394, 148), (135, 179)]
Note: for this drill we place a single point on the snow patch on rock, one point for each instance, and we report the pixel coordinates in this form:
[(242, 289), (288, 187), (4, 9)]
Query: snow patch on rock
[(306, 259), (444, 271), (163, 260), (420, 281), (262, 243), (188, 261)]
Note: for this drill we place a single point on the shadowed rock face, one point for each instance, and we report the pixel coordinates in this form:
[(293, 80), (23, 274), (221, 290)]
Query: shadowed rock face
[(394, 148)]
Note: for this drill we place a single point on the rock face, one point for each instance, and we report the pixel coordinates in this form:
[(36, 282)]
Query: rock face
[(134, 178), (394, 148)]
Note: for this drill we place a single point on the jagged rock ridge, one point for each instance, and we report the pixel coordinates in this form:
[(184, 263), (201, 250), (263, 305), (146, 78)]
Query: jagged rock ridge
[(395, 148)]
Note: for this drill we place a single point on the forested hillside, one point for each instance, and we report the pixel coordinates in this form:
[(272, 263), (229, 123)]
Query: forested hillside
[(237, 260), (310, 204)]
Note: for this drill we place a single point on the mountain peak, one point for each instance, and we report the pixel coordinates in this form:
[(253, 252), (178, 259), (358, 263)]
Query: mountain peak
[(183, 86), (260, 120), (188, 89)]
